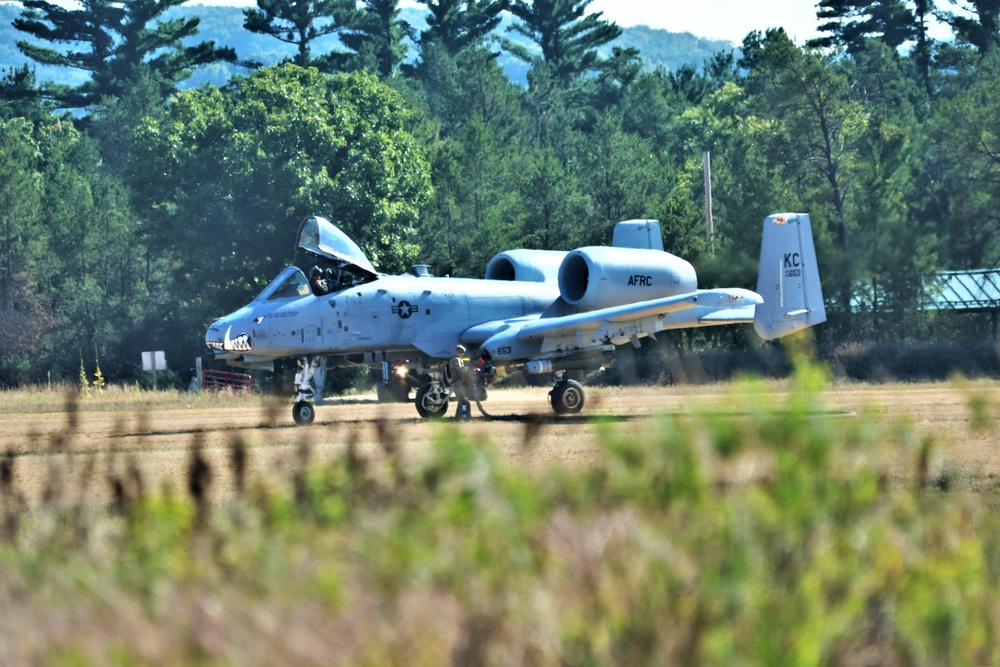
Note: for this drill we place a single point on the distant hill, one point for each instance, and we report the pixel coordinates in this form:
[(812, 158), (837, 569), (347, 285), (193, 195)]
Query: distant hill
[(670, 49), (224, 26)]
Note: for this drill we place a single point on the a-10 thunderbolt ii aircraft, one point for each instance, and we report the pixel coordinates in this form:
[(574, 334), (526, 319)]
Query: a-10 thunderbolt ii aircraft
[(536, 310)]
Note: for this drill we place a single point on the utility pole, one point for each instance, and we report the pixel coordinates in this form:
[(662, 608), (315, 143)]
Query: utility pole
[(709, 223)]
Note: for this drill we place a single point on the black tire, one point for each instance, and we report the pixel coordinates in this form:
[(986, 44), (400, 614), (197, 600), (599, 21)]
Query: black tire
[(432, 400), (304, 413), (567, 397)]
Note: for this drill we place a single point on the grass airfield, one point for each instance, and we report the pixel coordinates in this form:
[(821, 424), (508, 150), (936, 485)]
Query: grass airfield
[(84, 439), (752, 523)]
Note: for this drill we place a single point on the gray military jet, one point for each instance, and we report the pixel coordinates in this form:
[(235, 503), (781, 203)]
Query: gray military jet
[(536, 310)]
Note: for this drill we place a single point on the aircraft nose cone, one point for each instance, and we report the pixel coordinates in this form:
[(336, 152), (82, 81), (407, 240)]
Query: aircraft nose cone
[(215, 336), (229, 335)]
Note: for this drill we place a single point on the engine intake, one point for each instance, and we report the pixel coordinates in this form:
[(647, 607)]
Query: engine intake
[(537, 266), (600, 277)]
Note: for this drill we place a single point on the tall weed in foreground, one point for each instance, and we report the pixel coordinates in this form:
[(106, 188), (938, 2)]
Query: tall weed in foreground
[(760, 532)]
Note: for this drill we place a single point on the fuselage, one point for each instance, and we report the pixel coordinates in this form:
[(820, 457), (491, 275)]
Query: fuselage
[(391, 314)]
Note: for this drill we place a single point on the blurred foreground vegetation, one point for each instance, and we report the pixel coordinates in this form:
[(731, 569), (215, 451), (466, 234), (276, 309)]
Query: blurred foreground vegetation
[(754, 533)]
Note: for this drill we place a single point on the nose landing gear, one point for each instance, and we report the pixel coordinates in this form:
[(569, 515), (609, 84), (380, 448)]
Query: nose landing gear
[(303, 412), (309, 381)]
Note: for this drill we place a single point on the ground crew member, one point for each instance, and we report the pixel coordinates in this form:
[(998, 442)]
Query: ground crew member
[(461, 383)]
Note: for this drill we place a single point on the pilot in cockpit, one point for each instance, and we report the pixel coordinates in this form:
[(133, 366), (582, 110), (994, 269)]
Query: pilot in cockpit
[(332, 278), (317, 282)]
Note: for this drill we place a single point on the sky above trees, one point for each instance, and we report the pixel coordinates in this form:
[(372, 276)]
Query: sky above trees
[(715, 19)]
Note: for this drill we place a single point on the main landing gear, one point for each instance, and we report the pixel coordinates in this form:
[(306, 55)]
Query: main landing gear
[(567, 397), (432, 399), (435, 389), (433, 395)]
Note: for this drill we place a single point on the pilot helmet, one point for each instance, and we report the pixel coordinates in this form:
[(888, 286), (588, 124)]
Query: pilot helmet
[(314, 272)]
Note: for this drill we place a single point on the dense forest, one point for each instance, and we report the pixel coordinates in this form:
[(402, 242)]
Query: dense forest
[(134, 208)]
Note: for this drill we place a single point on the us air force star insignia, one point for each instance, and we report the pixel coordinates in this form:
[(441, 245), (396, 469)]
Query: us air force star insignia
[(404, 309)]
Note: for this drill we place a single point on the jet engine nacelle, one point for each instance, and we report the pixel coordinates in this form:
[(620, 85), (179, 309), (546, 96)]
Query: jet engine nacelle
[(536, 266), (601, 277)]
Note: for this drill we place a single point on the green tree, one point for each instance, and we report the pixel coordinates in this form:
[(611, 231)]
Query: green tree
[(477, 151), (70, 254), (229, 174), (748, 178), (298, 23), (566, 36), (682, 213), (922, 50), (455, 25), (20, 96), (649, 108), (851, 22), (114, 120), (622, 178), (895, 251), (375, 35), (22, 244), (977, 24), (555, 201), (854, 23), (964, 156), (93, 288), (113, 40), (808, 95)]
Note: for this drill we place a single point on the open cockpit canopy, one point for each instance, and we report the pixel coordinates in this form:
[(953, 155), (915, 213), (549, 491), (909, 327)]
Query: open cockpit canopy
[(319, 237)]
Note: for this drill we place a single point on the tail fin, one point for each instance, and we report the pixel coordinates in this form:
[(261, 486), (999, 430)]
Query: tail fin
[(788, 278)]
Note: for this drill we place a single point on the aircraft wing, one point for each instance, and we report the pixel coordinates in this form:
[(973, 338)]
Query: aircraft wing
[(721, 305), (552, 337)]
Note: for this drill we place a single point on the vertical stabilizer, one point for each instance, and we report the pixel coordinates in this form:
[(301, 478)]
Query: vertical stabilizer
[(644, 234), (788, 278)]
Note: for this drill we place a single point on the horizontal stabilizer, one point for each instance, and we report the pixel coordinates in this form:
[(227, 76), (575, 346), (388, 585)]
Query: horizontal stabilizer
[(730, 316)]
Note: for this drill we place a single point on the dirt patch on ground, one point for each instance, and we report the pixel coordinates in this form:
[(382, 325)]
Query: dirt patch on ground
[(77, 456)]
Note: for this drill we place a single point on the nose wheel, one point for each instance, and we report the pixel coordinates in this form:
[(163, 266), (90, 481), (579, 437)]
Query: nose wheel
[(567, 397), (303, 413)]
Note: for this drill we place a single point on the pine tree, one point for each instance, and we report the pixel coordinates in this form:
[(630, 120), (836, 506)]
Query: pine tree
[(978, 25), (457, 24), (567, 36), (375, 35), (851, 22), (20, 96), (298, 23), (114, 41)]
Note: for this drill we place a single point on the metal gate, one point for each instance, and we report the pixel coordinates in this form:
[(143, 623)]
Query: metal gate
[(238, 382)]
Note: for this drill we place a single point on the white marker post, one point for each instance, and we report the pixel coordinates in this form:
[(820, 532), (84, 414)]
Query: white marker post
[(154, 361)]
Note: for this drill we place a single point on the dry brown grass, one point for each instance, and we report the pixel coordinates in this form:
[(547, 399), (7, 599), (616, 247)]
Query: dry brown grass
[(59, 434)]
